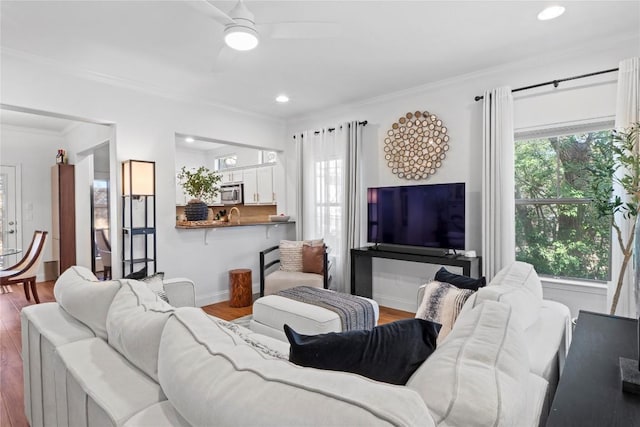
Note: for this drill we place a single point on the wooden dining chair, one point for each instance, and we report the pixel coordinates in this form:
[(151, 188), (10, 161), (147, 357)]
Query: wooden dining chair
[(104, 249), (26, 269)]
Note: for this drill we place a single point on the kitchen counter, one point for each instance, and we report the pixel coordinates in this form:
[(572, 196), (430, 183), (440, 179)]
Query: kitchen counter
[(226, 224), (210, 225)]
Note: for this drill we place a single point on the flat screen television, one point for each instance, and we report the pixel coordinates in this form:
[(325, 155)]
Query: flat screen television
[(429, 216)]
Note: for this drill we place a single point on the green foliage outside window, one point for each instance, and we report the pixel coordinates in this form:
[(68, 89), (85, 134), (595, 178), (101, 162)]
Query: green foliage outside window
[(558, 228)]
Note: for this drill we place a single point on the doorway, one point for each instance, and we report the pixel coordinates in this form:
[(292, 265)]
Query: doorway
[(30, 140), (10, 204)]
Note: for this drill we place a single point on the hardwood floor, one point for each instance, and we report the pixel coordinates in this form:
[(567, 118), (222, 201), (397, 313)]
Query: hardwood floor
[(224, 311), (11, 390)]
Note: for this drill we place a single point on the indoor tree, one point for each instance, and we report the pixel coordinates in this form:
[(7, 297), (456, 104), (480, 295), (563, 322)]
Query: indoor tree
[(616, 192)]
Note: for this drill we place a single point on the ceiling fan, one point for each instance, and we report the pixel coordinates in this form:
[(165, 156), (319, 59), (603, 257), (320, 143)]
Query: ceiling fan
[(242, 32)]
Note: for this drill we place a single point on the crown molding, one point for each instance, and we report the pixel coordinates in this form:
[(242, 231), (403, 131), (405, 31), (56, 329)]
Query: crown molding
[(31, 130), (585, 48), (127, 83)]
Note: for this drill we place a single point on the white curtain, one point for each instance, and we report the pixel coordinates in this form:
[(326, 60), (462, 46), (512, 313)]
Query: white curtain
[(627, 113), (355, 198), (331, 193), (498, 200)]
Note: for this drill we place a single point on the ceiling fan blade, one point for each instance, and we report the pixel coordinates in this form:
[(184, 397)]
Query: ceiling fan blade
[(225, 59), (206, 7), (302, 30)]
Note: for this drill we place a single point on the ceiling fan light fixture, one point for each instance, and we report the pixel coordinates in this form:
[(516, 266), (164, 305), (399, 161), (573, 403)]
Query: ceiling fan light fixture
[(240, 37)]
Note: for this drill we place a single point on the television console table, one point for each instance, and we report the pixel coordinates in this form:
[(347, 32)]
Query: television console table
[(590, 389), (362, 264)]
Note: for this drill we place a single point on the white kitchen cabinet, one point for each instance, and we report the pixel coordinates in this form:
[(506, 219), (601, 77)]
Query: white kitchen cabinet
[(258, 186), (229, 177)]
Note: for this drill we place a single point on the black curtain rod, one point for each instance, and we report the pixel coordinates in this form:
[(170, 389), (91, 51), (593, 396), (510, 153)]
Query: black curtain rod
[(364, 123), (555, 83)]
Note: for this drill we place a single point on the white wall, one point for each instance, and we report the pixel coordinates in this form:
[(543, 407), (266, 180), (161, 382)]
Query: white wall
[(453, 102), (40, 148), (145, 127)]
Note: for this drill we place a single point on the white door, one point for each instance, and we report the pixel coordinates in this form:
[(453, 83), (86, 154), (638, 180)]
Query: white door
[(10, 221)]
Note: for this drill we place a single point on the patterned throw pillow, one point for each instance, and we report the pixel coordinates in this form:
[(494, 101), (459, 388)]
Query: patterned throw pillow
[(290, 255), (155, 282), (442, 303)]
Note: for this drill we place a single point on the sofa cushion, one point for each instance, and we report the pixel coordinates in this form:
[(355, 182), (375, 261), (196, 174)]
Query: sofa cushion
[(224, 370), (517, 285), (459, 281), (85, 298), (134, 325), (442, 303), (98, 386), (389, 353), (159, 414), (280, 280), (478, 376)]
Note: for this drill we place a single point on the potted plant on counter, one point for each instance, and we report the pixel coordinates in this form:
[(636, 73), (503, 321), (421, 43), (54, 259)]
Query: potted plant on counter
[(201, 184)]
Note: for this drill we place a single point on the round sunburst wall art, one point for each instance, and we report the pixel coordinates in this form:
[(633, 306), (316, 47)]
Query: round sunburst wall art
[(416, 145)]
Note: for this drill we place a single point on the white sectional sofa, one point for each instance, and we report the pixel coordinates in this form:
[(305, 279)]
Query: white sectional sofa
[(112, 353)]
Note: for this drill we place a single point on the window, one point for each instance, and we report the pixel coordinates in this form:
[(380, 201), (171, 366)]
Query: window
[(226, 162), (268, 156), (329, 197), (557, 228)]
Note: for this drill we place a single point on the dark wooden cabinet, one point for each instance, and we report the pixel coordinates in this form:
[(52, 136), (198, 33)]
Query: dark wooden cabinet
[(63, 211), (590, 389), (362, 263)]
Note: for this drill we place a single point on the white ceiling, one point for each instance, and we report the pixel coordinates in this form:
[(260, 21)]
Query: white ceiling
[(382, 47)]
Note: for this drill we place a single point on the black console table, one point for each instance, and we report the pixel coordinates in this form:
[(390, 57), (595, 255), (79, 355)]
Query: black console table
[(362, 263), (590, 389)]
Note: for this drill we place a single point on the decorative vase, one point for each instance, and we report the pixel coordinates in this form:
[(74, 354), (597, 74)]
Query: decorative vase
[(196, 210)]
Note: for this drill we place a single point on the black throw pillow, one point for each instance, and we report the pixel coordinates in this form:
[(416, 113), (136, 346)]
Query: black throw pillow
[(459, 281), (137, 275), (388, 353)]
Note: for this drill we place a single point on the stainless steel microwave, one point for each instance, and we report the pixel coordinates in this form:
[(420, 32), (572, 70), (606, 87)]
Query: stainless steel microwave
[(231, 194)]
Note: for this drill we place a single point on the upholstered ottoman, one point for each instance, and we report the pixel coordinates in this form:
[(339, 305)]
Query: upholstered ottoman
[(270, 313)]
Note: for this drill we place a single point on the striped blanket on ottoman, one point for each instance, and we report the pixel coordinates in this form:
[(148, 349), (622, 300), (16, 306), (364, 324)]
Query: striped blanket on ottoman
[(355, 313)]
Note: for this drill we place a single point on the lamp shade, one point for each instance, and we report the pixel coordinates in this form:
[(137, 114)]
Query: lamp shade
[(138, 178)]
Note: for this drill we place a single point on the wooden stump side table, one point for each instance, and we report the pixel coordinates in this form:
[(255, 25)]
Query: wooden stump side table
[(240, 289)]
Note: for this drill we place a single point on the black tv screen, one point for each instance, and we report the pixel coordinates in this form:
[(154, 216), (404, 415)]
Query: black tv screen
[(430, 216)]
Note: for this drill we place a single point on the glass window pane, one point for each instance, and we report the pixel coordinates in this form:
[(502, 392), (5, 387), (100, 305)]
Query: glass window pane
[(557, 229)]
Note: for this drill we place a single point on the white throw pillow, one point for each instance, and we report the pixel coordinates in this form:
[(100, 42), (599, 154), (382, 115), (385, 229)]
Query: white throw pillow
[(291, 255), (479, 375), (84, 297), (134, 324), (517, 285)]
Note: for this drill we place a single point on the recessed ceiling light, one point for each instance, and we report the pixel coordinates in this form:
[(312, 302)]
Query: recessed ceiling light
[(550, 12), (189, 139), (282, 99)]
